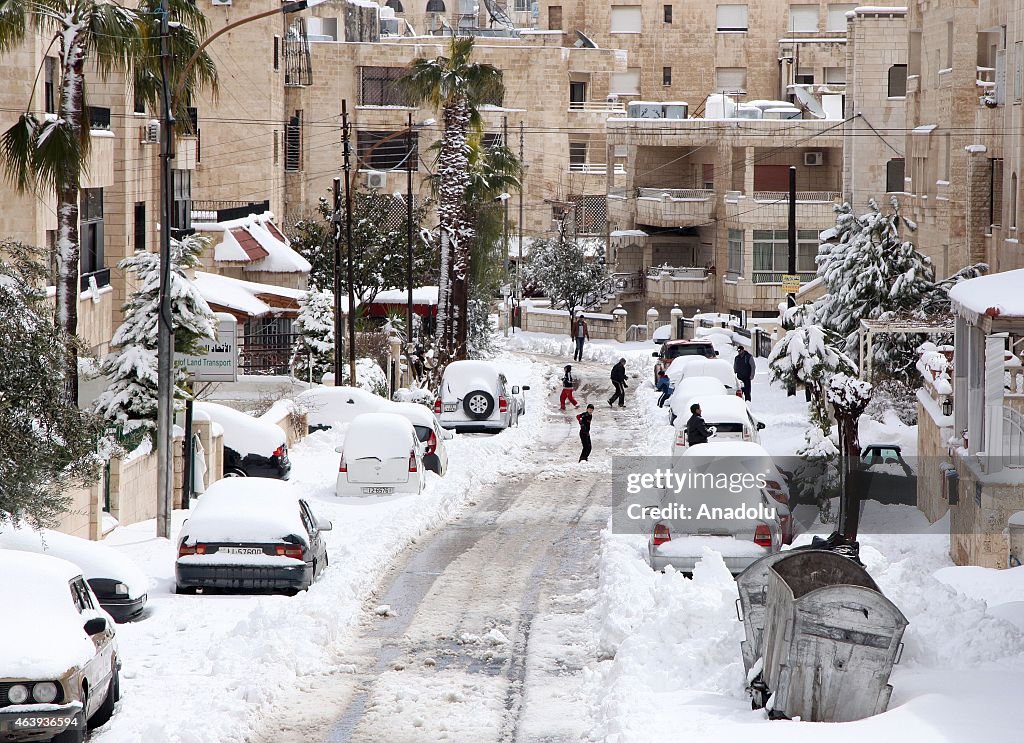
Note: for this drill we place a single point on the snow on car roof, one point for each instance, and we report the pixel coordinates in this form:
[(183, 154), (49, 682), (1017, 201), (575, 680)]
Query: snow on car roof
[(419, 415), (723, 409), (242, 432), (93, 559), (40, 613), (699, 366), (326, 406), (701, 384), (381, 435), (245, 509)]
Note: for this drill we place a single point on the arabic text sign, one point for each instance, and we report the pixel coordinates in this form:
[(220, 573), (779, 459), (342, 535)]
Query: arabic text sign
[(220, 362), (790, 283)]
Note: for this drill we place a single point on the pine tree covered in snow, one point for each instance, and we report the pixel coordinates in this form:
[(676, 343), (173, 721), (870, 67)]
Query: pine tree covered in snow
[(129, 403), (314, 351), (47, 445), (870, 272), (569, 271), (806, 357)]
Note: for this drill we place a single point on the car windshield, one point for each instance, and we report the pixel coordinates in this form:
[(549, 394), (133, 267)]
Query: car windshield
[(672, 352), (727, 427), (423, 432)]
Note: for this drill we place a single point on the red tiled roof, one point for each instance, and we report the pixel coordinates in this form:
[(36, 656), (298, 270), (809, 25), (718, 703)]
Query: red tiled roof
[(249, 244), (272, 229)]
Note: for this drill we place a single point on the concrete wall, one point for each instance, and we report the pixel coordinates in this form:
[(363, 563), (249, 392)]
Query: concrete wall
[(133, 489), (83, 517), (556, 322)]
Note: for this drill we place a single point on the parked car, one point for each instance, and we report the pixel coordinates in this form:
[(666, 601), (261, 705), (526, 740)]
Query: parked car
[(381, 457), (671, 350), (698, 366), (59, 663), (731, 418), (428, 431), (250, 534), (748, 528), (885, 476), (475, 397), (327, 407), (691, 390), (252, 448), (119, 584)]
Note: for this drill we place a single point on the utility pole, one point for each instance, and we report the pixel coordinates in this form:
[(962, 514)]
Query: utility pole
[(791, 265), (519, 262), (165, 330), (347, 167), (336, 218), (408, 218)]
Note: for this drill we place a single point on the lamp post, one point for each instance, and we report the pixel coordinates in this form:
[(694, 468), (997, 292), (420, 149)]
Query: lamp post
[(165, 329)]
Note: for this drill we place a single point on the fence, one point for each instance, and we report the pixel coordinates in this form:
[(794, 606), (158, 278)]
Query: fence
[(267, 353), (761, 343)]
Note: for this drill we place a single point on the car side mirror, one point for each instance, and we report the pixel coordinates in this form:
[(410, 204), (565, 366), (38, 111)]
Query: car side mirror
[(324, 524), (717, 354), (515, 389), (95, 626), (526, 388), (656, 354), (760, 426)]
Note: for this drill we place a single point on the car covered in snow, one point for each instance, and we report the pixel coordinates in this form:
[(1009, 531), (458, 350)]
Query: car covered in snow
[(327, 407), (672, 350), (59, 662), (691, 390), (251, 534), (119, 585), (475, 396), (428, 431), (721, 504), (698, 366), (729, 415), (252, 447), (381, 457)]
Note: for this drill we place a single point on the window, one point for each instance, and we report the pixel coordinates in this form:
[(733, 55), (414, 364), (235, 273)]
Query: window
[(90, 221), (139, 230), (735, 263), (1013, 201), (625, 19), (138, 104), (804, 76), (732, 18), (803, 18), (577, 93), (379, 86), (51, 81), (835, 75), (898, 81), (293, 143), (277, 53), (577, 155), (995, 191), (555, 18), (949, 45), (914, 53), (771, 254), (181, 218), (666, 75), (625, 83), (895, 170), (730, 79), (836, 20), (395, 5), (947, 156), (386, 150), (435, 6), (1018, 61), (668, 14), (322, 29)]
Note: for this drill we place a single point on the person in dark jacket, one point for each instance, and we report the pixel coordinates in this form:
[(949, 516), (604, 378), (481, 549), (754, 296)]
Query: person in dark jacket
[(585, 419), (664, 386), (697, 431), (619, 380), (744, 368), (568, 385), (579, 333)]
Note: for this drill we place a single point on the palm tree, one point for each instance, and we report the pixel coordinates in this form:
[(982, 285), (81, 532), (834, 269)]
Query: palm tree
[(454, 86)]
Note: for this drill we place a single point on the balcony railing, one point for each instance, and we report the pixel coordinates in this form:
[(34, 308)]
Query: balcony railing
[(693, 194), (674, 207), (222, 211), (101, 276), (99, 117), (775, 277), (629, 282), (811, 197), (690, 273), (608, 107), (596, 168)]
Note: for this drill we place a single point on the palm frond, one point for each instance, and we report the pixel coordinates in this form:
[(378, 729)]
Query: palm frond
[(12, 23), (57, 152), (16, 147), (113, 42)]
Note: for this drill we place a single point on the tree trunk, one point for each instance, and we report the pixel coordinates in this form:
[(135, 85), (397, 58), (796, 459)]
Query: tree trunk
[(453, 168)]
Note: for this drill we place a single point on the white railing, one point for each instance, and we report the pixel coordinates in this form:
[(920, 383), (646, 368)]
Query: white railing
[(598, 107), (596, 168), (1013, 437), (806, 196), (636, 333), (693, 194), (672, 272)]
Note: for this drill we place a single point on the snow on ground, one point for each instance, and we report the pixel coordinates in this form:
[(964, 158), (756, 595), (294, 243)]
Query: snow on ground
[(209, 667)]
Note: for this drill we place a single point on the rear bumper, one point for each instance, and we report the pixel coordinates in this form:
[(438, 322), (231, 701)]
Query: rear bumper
[(243, 576), (124, 610), (354, 490), (686, 563), (32, 725), (491, 426)]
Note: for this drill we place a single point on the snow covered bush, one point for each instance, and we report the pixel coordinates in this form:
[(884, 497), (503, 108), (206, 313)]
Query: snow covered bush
[(130, 401), (816, 477), (895, 395), (314, 351), (570, 272), (807, 356)]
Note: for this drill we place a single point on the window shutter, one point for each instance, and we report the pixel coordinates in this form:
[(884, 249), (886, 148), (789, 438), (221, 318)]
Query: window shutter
[(837, 16), (625, 83), (732, 17), (625, 19), (803, 18), (730, 79)]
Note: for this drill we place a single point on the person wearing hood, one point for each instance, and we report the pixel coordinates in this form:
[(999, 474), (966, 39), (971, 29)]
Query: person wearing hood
[(568, 385), (619, 381)]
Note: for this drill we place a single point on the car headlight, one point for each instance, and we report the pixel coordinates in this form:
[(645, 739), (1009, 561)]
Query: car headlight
[(120, 589), (44, 692), (18, 694)]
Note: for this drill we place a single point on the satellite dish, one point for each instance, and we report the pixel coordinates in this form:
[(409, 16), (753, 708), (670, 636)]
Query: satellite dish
[(584, 42), (807, 101)]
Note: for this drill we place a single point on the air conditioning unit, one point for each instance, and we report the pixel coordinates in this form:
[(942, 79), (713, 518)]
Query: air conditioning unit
[(376, 179), (814, 158), (150, 132), (220, 2)]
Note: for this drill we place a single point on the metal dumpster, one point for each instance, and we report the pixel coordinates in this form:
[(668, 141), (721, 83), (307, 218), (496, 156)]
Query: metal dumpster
[(830, 639)]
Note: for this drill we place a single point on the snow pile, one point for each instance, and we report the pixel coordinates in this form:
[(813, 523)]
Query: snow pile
[(934, 367), (242, 432), (246, 509)]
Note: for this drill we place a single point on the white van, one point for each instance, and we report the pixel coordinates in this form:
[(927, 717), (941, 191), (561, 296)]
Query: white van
[(381, 456), (728, 415), (695, 366)]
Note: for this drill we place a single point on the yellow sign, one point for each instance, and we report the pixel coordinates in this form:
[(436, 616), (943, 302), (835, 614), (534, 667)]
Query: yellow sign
[(790, 283)]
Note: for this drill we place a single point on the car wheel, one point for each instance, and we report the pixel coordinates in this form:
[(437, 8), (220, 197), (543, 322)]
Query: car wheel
[(235, 472), (478, 405), (77, 734), (106, 710)]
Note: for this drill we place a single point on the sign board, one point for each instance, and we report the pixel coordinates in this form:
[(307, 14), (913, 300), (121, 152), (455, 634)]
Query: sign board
[(790, 283), (220, 362)]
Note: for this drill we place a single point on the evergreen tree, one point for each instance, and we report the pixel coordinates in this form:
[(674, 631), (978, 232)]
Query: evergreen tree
[(569, 271), (129, 404), (47, 445), (314, 352)]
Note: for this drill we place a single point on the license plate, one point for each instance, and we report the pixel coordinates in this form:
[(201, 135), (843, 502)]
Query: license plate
[(240, 550), (449, 407), (39, 722), (378, 491)]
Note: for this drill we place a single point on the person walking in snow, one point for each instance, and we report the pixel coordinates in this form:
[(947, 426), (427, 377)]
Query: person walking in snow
[(619, 380), (579, 333), (585, 419), (697, 431), (568, 385), (664, 386), (743, 367)]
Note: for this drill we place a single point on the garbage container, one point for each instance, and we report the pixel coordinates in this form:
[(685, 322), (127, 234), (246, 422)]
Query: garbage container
[(830, 639)]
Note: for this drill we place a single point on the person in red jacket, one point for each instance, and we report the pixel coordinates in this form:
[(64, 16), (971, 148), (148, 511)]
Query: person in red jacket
[(568, 385)]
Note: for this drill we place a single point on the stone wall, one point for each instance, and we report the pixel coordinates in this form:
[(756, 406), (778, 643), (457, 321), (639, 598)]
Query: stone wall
[(133, 486), (84, 513), (556, 322)]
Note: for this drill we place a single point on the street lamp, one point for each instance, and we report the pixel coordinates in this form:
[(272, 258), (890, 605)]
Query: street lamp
[(165, 330)]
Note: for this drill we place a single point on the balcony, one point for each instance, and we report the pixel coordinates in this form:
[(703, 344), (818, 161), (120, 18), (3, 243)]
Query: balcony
[(770, 209), (597, 168), (687, 286), (608, 108), (223, 211), (674, 207)]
